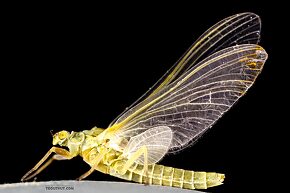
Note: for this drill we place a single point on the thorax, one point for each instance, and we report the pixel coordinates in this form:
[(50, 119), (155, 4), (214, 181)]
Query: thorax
[(110, 150)]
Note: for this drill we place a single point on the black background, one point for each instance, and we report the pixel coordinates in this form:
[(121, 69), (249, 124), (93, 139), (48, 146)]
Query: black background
[(77, 66)]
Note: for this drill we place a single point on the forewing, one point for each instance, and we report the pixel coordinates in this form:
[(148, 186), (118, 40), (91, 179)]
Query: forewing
[(191, 104), (157, 140), (243, 28)]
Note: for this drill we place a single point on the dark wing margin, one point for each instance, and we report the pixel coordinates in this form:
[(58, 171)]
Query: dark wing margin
[(191, 104), (243, 28)]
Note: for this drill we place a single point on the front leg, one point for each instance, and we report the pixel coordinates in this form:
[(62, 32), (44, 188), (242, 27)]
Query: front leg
[(95, 162), (61, 154)]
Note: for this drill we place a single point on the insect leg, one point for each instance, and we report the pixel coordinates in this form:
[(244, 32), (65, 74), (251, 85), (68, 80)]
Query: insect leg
[(142, 151), (96, 161), (61, 154)]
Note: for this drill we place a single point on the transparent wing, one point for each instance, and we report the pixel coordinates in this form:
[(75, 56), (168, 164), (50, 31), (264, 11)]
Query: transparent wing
[(243, 28), (191, 104), (157, 140)]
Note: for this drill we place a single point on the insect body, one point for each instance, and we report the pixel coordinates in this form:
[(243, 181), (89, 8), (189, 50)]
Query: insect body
[(183, 105)]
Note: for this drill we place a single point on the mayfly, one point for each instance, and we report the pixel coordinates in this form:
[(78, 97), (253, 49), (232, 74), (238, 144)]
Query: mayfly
[(204, 83)]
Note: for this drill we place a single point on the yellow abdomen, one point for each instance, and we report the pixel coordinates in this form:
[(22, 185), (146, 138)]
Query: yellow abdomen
[(168, 176)]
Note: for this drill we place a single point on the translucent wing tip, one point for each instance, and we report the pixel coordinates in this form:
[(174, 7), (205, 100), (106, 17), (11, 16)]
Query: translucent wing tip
[(253, 23), (256, 62), (249, 14), (262, 55), (253, 17)]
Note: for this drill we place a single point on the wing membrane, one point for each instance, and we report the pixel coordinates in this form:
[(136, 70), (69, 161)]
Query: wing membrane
[(191, 104), (157, 140), (241, 28)]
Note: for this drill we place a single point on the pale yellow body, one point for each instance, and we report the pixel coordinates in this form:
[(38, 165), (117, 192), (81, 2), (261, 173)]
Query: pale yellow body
[(108, 158), (113, 163)]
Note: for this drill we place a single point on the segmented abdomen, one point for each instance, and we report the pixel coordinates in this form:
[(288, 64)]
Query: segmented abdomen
[(168, 176)]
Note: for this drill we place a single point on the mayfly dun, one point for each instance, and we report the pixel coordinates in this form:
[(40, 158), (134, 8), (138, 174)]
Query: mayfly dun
[(204, 83)]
